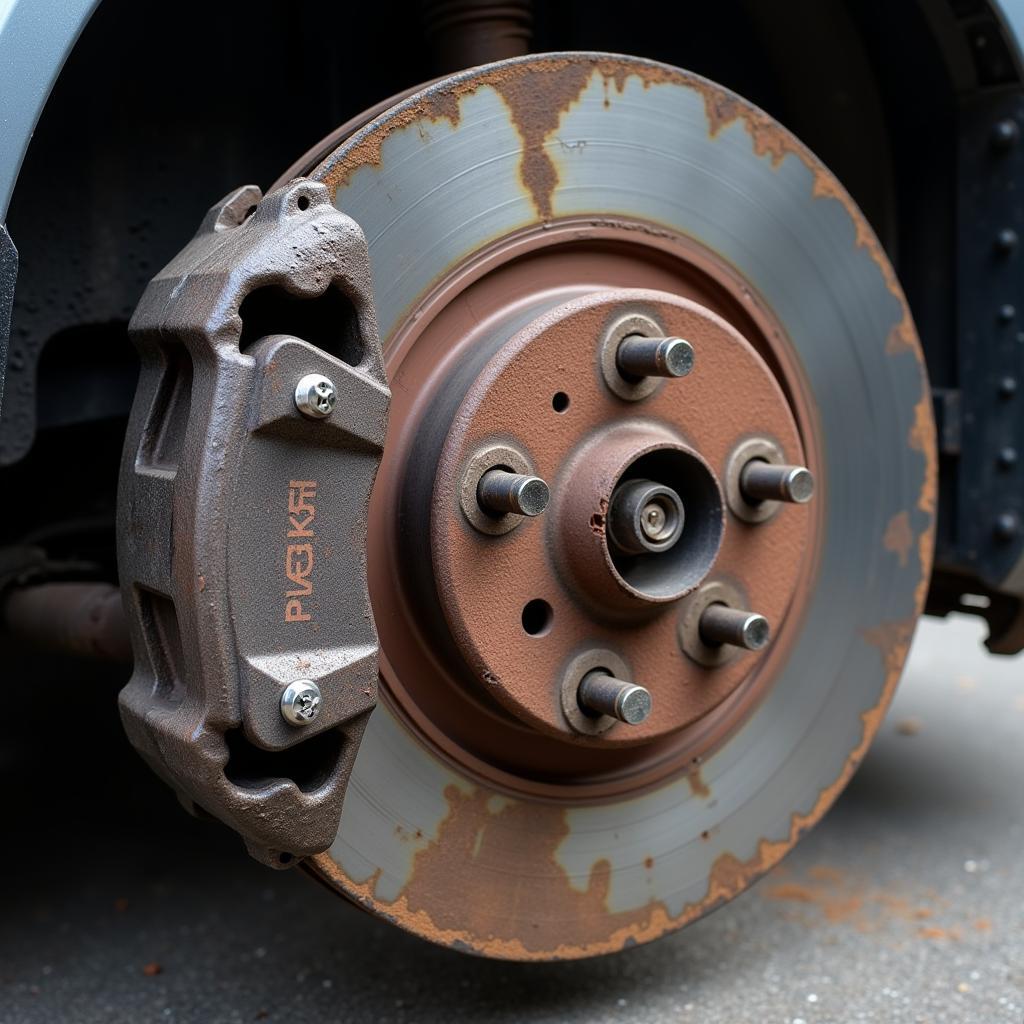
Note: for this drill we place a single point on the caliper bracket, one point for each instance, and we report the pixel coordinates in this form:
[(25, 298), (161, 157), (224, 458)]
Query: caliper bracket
[(242, 522)]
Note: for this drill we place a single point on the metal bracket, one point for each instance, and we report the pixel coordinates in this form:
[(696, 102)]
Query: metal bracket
[(242, 523)]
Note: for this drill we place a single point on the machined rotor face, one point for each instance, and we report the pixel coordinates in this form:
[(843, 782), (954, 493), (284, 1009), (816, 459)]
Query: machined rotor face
[(654, 520)]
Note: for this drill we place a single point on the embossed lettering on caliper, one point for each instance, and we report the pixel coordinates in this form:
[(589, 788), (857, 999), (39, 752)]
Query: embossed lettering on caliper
[(299, 556)]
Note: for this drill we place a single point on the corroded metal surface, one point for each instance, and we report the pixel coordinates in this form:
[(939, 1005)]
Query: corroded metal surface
[(241, 523), (454, 187), (597, 598)]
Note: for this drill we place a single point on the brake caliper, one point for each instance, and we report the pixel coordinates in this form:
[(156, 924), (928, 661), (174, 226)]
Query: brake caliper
[(253, 443)]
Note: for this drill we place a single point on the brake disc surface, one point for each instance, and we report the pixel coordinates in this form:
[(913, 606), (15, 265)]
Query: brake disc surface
[(518, 200)]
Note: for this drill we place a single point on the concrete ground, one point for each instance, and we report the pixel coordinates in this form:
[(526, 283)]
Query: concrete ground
[(905, 904)]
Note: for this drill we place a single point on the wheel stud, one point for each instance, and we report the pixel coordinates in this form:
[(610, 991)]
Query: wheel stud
[(720, 624), (766, 481), (501, 492), (638, 356), (645, 517), (603, 694)]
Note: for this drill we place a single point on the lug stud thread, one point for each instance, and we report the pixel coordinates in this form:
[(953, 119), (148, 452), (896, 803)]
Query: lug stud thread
[(638, 356), (501, 493), (720, 624), (602, 694), (767, 481)]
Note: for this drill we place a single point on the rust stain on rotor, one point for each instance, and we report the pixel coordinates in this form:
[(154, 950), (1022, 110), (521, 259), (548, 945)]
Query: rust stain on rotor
[(488, 919), (698, 787), (538, 91), (536, 111), (730, 876), (899, 537), (536, 95), (536, 108), (483, 919), (771, 139), (923, 439)]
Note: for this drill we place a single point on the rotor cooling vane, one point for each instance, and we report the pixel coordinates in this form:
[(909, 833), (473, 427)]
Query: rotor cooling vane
[(653, 519)]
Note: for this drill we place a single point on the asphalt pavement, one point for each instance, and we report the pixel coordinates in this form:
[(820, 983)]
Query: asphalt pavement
[(905, 904)]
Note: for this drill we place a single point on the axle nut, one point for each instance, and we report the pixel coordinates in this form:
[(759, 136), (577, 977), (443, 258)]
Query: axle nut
[(645, 517), (315, 396), (300, 702)]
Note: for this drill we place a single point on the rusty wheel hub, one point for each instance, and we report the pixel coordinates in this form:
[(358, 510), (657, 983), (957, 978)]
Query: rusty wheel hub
[(637, 469), (629, 323)]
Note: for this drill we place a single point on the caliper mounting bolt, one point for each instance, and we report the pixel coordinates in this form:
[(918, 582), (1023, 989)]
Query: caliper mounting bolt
[(720, 624), (300, 702), (315, 396), (603, 694), (638, 356), (521, 494), (768, 481)]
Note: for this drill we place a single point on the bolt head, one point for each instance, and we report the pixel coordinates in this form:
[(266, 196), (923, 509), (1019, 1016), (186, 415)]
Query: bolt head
[(315, 396), (1006, 241), (1006, 527), (300, 702), (1005, 134)]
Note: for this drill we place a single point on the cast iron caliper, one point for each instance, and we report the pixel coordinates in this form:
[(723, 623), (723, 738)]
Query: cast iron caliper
[(242, 516)]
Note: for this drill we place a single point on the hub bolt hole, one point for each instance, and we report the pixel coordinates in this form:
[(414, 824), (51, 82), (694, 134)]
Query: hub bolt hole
[(537, 617)]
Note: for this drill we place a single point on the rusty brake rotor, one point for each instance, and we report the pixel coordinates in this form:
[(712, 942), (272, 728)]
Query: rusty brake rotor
[(627, 320)]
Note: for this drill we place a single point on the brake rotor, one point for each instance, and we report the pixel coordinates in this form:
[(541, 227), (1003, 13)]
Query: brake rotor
[(522, 219)]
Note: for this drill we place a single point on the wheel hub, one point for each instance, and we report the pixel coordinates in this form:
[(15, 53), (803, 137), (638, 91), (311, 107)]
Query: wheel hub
[(522, 605), (495, 629)]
